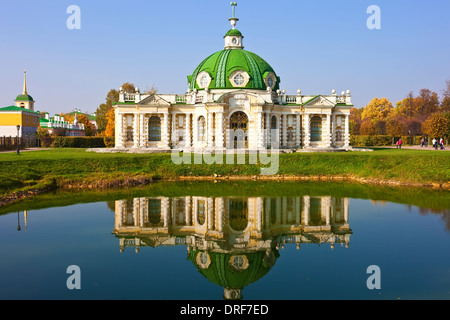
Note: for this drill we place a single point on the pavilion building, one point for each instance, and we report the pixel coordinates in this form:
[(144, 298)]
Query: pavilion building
[(234, 101)]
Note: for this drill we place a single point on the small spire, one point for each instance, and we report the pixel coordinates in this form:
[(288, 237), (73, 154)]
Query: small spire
[(25, 82), (234, 5), (233, 20)]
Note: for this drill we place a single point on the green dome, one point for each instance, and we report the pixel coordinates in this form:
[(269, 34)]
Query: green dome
[(24, 97), (222, 64), (233, 32)]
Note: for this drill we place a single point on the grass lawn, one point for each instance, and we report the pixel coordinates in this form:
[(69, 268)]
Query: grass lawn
[(37, 169)]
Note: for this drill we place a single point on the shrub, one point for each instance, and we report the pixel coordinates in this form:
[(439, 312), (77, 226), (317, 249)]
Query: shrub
[(110, 142), (78, 142), (371, 140)]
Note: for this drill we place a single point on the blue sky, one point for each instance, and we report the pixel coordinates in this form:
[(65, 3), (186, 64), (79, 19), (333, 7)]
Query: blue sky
[(315, 46)]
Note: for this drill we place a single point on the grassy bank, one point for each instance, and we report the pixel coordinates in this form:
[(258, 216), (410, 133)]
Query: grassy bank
[(63, 168)]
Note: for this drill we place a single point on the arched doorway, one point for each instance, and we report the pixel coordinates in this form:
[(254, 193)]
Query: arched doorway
[(239, 130)]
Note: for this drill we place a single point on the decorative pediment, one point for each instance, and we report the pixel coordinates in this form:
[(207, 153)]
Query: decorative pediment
[(154, 100), (319, 101)]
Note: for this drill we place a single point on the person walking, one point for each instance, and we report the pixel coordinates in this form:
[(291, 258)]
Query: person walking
[(434, 143), (422, 143), (442, 143), (400, 143)]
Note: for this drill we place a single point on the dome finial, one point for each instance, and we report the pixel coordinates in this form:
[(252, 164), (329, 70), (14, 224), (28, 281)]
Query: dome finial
[(233, 19)]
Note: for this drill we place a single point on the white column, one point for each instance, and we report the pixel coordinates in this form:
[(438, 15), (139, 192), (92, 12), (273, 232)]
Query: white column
[(174, 131), (210, 129), (346, 208), (119, 134), (327, 210), (220, 214), (188, 130), (284, 133), (298, 131), (347, 131), (141, 131), (165, 211), (333, 131), (210, 211), (306, 200), (268, 124), (136, 130), (259, 213), (259, 130), (219, 130), (328, 131), (165, 129), (187, 204), (307, 132)]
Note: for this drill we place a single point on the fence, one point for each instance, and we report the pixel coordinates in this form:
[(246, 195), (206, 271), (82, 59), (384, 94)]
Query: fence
[(10, 143)]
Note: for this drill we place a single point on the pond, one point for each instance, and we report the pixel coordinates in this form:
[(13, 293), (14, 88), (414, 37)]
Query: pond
[(228, 240)]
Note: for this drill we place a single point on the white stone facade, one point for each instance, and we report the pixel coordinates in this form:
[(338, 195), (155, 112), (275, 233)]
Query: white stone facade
[(228, 119)]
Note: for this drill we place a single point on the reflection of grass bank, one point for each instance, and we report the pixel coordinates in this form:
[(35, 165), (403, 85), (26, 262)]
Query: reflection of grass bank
[(437, 200), (62, 168)]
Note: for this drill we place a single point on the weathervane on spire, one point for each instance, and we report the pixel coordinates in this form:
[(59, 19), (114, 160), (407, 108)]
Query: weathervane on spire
[(233, 20)]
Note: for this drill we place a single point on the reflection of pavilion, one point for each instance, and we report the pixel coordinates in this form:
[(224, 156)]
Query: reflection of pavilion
[(233, 241)]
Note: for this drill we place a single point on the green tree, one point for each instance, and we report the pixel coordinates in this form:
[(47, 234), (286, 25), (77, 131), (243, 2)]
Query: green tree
[(111, 98)]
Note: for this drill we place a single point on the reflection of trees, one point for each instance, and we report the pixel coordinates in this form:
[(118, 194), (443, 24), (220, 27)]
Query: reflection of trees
[(444, 213)]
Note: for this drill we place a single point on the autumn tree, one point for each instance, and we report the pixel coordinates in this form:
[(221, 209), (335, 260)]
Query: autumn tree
[(426, 103), (378, 109), (368, 128), (88, 126), (128, 87), (395, 127), (406, 108), (110, 127), (437, 125)]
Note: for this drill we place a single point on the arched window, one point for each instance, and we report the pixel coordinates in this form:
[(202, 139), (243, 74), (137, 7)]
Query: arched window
[(201, 212), (316, 129), (273, 124), (201, 123), (154, 129), (238, 213)]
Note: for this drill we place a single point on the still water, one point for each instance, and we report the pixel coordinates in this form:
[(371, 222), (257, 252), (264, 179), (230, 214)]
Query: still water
[(250, 241)]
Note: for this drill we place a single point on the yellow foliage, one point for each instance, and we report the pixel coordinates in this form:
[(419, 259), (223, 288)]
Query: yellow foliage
[(377, 109)]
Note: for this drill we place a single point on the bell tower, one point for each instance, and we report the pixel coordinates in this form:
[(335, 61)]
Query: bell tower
[(24, 100)]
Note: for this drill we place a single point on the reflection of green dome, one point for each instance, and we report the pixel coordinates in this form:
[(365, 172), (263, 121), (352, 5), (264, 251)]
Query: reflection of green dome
[(221, 271), (222, 64), (24, 97)]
